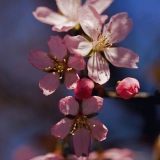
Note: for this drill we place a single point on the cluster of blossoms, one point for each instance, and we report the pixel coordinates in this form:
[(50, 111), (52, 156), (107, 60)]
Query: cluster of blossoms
[(97, 45)]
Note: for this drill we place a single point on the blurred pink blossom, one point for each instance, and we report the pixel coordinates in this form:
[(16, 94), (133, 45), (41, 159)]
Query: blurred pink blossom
[(80, 123), (112, 154), (118, 154), (50, 156), (127, 88), (115, 31), (68, 19), (83, 88), (24, 152), (58, 66)]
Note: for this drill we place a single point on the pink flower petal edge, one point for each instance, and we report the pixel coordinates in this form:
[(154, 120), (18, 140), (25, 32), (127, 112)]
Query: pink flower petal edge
[(81, 142), (78, 45), (90, 21), (99, 5), (121, 57), (70, 79), (76, 62), (57, 48), (48, 16), (62, 128), (98, 69), (99, 130), (40, 59), (68, 105), (92, 105), (49, 83)]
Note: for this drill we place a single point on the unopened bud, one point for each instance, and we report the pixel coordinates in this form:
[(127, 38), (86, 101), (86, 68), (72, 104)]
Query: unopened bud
[(84, 88), (127, 88)]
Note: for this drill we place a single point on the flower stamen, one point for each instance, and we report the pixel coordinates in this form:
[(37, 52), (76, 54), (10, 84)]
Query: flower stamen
[(81, 121)]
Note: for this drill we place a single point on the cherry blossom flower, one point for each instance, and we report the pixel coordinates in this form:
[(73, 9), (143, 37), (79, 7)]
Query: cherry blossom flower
[(84, 88), (101, 48), (127, 88), (57, 65), (68, 19), (80, 123), (49, 156)]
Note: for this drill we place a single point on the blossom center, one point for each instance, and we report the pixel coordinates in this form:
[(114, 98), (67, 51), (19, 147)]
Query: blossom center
[(101, 43), (80, 121), (57, 66)]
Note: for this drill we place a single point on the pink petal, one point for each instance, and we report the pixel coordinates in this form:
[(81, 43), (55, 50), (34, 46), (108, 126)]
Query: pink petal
[(81, 142), (92, 105), (69, 7), (90, 21), (104, 18), (118, 154), (68, 105), (121, 57), (57, 47), (49, 83), (78, 45), (46, 15), (62, 128), (99, 130), (118, 27), (40, 59), (64, 26), (76, 62), (94, 156), (99, 5), (49, 156), (70, 79), (98, 69), (72, 157)]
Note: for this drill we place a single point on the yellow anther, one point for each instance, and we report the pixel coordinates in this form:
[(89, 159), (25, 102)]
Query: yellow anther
[(69, 69), (47, 68)]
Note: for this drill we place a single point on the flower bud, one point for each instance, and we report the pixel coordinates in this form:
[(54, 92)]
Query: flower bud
[(127, 88), (84, 88)]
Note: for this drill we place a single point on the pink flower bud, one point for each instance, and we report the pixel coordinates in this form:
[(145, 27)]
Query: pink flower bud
[(84, 88), (127, 88)]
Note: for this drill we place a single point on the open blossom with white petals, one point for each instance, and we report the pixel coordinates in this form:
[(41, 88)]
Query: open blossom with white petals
[(79, 122), (57, 65), (68, 19), (101, 48)]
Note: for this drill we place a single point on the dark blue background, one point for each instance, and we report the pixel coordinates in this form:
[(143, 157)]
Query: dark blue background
[(25, 113)]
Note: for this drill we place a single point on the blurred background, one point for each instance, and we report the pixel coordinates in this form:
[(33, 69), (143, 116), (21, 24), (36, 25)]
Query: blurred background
[(26, 115)]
